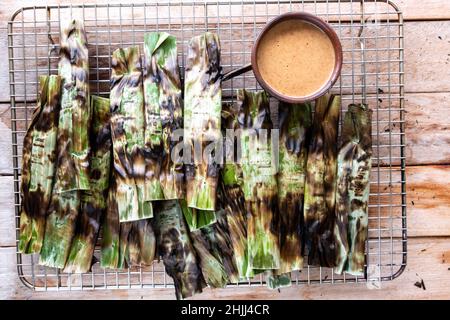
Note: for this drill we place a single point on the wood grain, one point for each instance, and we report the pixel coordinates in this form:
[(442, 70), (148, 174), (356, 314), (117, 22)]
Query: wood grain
[(7, 221), (425, 262)]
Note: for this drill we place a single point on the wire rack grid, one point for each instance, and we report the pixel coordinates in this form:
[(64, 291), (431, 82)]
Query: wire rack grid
[(371, 33)]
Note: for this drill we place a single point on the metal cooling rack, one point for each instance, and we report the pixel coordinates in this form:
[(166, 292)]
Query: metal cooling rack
[(372, 37)]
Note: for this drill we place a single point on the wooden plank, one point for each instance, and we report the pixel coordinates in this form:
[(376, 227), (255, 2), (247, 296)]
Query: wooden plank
[(428, 259), (7, 221), (427, 128), (428, 197), (411, 9), (9, 281)]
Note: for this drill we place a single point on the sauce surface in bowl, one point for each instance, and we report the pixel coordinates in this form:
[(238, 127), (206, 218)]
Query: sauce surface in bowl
[(295, 58)]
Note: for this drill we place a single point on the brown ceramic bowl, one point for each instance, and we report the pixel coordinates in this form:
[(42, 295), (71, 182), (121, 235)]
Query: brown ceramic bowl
[(322, 25)]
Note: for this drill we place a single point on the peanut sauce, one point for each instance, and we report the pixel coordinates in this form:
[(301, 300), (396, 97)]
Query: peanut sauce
[(295, 58)]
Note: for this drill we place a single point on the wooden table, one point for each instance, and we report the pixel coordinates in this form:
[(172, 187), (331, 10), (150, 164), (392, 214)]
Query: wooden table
[(427, 67)]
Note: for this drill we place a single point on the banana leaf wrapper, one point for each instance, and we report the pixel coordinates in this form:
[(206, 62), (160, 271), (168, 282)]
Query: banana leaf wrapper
[(38, 165), (230, 195), (176, 250), (60, 226), (320, 184), (125, 244), (353, 187), (295, 124), (72, 164), (196, 218), (72, 171), (93, 201), (164, 115), (127, 131), (278, 281), (202, 112), (260, 183), (214, 248)]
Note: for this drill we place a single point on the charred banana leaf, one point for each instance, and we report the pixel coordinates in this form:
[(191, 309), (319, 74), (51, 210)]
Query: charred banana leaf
[(163, 112), (72, 164), (320, 184), (230, 196), (60, 228), (202, 111), (295, 123), (127, 130), (209, 257), (38, 165), (93, 201), (352, 195), (125, 244), (113, 249), (72, 172), (214, 248), (176, 249), (260, 184)]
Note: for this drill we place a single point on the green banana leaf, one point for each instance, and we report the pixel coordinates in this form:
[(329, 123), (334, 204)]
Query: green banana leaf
[(353, 188), (320, 184), (125, 244), (38, 165), (164, 115), (231, 198), (93, 201), (72, 171), (260, 183), (202, 111), (72, 164), (127, 130), (295, 124), (176, 249)]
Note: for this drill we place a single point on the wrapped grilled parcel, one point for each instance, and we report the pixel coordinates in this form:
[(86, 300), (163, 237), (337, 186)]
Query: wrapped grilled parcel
[(230, 195), (259, 176), (354, 163), (93, 201), (202, 110), (176, 249), (163, 111), (295, 124), (38, 165), (127, 130), (72, 164), (125, 244), (320, 183)]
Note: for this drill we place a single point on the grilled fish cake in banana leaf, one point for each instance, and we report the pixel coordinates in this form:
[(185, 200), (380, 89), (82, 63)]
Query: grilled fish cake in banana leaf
[(163, 111), (175, 247), (230, 195), (295, 123), (320, 184), (352, 194), (125, 244), (72, 172), (127, 130), (260, 183), (202, 111), (72, 164), (38, 165), (93, 201), (214, 248)]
